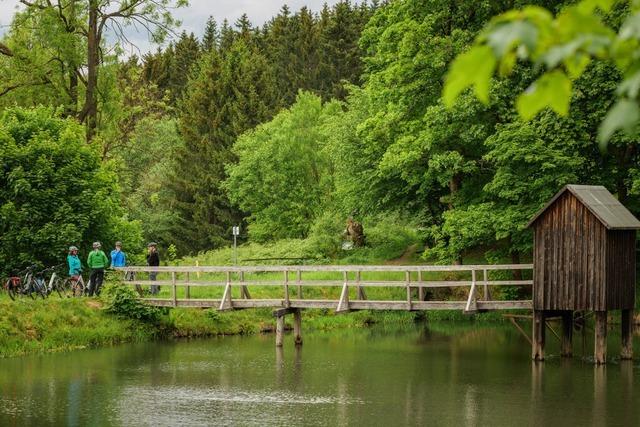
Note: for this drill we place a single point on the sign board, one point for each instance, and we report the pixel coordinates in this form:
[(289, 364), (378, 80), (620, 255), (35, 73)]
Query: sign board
[(236, 230)]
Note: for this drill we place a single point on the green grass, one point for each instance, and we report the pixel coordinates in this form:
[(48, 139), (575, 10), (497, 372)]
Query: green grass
[(37, 326)]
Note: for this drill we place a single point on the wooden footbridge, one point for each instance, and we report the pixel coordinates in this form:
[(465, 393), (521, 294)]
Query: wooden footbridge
[(294, 288)]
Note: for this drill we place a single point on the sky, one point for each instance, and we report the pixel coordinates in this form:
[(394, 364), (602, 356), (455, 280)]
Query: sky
[(195, 15)]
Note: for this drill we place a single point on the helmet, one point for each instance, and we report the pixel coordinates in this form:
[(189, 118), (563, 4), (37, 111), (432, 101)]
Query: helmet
[(118, 243), (72, 248), (150, 244), (96, 245)]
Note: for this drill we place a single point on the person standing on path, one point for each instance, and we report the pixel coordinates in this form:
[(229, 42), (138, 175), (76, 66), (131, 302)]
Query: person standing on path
[(97, 262), (153, 260), (118, 258)]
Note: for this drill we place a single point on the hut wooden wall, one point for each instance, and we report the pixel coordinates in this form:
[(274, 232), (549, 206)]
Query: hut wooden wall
[(621, 269), (569, 258)]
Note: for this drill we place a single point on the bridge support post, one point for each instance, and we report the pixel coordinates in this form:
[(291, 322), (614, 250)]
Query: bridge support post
[(626, 320), (567, 334), (297, 326), (538, 335), (279, 330), (600, 350)]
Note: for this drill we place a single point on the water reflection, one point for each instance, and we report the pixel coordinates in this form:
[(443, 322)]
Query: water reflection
[(445, 375)]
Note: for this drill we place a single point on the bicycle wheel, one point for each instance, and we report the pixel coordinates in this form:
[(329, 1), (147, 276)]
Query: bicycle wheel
[(77, 287), (11, 290), (62, 287), (40, 288)]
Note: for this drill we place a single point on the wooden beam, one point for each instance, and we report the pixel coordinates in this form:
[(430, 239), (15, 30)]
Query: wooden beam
[(519, 328), (566, 349), (226, 302), (187, 289), (297, 327), (626, 319), (279, 331), (600, 350), (408, 281), (286, 289), (538, 335), (173, 289), (471, 306), (343, 303), (284, 311), (336, 268)]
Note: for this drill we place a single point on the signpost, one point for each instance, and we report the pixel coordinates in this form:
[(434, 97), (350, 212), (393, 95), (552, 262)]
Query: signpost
[(236, 233)]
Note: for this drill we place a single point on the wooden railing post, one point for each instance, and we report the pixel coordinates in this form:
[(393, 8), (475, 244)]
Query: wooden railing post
[(226, 301), (298, 280), (420, 288), (187, 288), (485, 279), (287, 302), (408, 283), (471, 301), (173, 289), (343, 304), (244, 288)]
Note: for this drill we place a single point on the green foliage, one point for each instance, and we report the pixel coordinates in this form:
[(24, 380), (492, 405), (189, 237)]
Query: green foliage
[(122, 301), (564, 45), (283, 174), (54, 191)]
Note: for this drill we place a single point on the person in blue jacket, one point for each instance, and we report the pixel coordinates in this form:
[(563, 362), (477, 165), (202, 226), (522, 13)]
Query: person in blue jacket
[(75, 265), (118, 258)]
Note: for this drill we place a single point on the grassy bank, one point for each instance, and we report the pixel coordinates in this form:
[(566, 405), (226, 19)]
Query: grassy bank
[(38, 326), (52, 325)]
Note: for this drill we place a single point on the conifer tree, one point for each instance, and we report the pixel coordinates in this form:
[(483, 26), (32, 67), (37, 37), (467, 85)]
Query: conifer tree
[(210, 39), (227, 95), (186, 53)]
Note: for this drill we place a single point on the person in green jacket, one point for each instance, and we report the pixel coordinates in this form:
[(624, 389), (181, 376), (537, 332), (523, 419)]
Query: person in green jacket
[(97, 262)]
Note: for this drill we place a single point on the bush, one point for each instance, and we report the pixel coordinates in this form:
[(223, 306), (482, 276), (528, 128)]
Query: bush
[(123, 302), (54, 191)]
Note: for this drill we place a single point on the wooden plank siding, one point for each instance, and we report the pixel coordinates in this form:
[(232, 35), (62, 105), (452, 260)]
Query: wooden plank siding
[(578, 263), (621, 253)]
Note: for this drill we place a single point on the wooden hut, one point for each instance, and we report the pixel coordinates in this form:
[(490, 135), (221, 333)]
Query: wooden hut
[(584, 259)]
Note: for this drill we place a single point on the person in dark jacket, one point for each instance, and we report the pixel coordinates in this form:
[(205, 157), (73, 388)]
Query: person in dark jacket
[(153, 260)]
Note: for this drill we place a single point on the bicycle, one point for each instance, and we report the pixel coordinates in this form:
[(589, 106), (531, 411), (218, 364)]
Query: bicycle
[(73, 286), (19, 285), (57, 284), (36, 284)]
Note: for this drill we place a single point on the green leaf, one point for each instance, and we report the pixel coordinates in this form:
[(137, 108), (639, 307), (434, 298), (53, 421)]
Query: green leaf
[(472, 68), (622, 116), (631, 27), (507, 35), (630, 87), (552, 90), (588, 6)]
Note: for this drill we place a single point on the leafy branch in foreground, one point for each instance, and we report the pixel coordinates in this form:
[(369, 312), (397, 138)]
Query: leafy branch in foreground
[(563, 46)]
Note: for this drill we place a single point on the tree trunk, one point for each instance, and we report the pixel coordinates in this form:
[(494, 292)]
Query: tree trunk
[(454, 186), (93, 59), (72, 110), (515, 259)]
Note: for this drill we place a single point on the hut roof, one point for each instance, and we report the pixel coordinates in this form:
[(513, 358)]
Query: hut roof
[(609, 211)]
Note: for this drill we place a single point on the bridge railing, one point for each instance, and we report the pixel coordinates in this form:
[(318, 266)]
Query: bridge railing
[(289, 282)]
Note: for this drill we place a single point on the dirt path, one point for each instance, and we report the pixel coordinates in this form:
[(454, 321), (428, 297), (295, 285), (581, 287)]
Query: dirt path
[(406, 257)]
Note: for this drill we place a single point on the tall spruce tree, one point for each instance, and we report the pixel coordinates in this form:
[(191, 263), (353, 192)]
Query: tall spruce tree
[(228, 95), (211, 37)]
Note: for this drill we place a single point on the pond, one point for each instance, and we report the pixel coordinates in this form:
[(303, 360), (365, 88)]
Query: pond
[(436, 374)]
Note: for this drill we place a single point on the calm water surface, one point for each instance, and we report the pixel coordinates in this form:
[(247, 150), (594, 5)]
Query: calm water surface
[(441, 374)]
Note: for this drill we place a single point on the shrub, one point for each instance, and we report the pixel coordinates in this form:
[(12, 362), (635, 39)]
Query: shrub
[(123, 302)]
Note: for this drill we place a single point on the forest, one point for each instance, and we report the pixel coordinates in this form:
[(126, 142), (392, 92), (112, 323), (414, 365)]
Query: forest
[(292, 127)]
